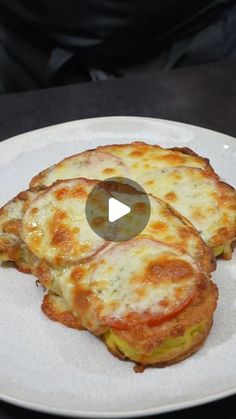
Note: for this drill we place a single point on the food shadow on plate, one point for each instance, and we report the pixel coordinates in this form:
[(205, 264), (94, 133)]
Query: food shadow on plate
[(7, 265)]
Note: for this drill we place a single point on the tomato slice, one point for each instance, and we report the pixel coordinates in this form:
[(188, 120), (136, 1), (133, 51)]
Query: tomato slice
[(147, 317)]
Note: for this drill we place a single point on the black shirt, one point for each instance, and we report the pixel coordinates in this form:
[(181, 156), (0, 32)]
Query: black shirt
[(40, 37)]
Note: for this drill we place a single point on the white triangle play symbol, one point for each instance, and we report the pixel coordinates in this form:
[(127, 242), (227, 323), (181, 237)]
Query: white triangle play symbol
[(116, 209)]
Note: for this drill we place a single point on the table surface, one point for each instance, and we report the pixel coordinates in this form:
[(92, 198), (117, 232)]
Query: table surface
[(201, 95)]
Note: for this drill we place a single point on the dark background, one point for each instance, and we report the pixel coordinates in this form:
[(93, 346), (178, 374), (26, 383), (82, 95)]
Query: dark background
[(86, 58), (203, 95), (47, 43)]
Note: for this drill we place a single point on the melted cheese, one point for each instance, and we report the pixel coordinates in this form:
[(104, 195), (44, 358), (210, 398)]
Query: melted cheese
[(145, 281), (140, 156), (197, 195), (12, 248), (185, 180), (55, 228), (169, 227), (92, 164), (181, 178), (12, 212), (165, 226), (141, 277), (117, 160)]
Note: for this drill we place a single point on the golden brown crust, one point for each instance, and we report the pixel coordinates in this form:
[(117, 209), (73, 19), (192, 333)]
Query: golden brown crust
[(186, 150), (197, 345), (37, 179), (12, 227), (23, 267), (139, 367), (190, 152), (45, 189), (226, 236), (43, 274), (146, 339), (12, 247), (182, 150), (55, 309)]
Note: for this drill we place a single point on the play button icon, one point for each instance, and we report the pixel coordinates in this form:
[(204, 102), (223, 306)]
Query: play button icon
[(117, 209)]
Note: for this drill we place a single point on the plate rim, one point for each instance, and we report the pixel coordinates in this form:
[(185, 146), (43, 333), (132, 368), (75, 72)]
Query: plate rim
[(132, 118), (44, 408), (121, 414)]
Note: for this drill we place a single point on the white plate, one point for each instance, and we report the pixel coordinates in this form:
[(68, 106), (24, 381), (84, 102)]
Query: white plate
[(51, 368)]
